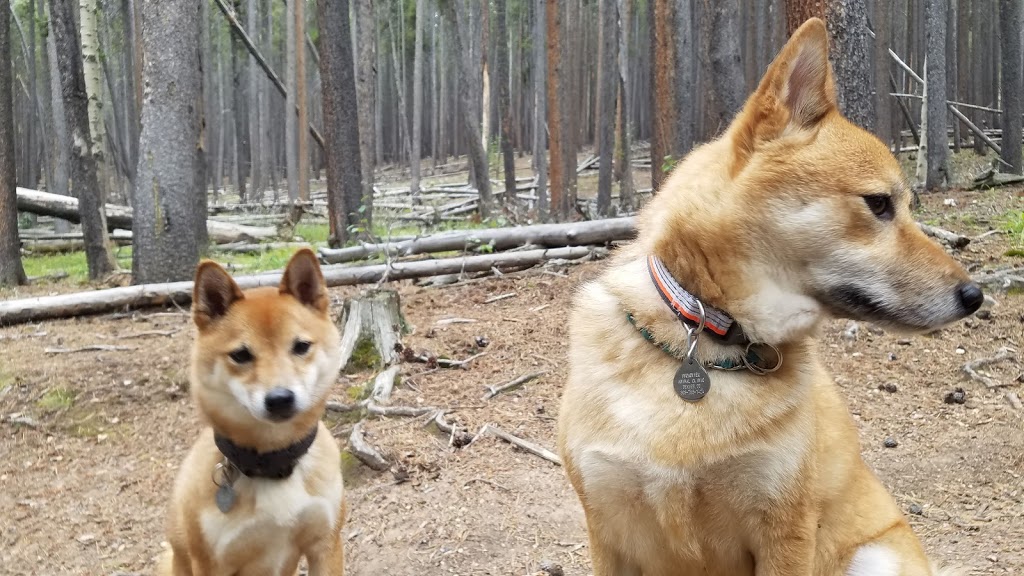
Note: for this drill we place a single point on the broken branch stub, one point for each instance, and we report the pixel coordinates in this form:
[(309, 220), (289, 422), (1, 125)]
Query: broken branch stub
[(372, 325)]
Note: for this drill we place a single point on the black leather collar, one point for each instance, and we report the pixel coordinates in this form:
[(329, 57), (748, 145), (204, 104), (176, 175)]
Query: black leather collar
[(277, 465)]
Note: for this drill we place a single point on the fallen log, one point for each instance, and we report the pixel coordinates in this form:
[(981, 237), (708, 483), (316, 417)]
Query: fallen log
[(66, 207), (549, 235), (147, 295)]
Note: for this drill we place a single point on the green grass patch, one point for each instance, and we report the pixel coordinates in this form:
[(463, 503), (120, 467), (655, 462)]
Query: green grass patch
[(73, 264), (313, 233), (57, 399), (1013, 252), (1014, 224)]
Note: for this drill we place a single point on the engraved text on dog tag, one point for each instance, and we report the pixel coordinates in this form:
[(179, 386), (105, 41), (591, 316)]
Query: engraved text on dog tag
[(691, 381)]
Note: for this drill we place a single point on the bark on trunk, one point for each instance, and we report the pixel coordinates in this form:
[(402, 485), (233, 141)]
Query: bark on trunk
[(504, 105), (11, 270), (1010, 26), (553, 13), (239, 112), (624, 156), (83, 177), (661, 15), (301, 99), (607, 82), (540, 77), (168, 232), (93, 72), (882, 21), (341, 124), (725, 62), (366, 96), (417, 98), (851, 59), (291, 144), (935, 70), (470, 122)]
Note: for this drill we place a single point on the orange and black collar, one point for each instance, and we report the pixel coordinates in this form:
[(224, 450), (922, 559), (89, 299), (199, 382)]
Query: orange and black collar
[(688, 307)]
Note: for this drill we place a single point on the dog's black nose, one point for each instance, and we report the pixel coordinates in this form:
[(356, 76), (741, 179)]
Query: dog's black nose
[(280, 403), (971, 296)]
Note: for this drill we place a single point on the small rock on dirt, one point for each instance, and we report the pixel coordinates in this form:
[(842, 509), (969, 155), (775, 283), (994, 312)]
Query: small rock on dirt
[(86, 538), (957, 396), (890, 442), (551, 568), (984, 314), (889, 387), (915, 509), (1014, 401), (851, 331)]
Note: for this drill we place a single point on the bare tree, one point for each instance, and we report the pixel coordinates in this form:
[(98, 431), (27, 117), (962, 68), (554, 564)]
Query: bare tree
[(11, 270), (624, 113), (935, 77), (661, 16), (417, 98), (504, 105), (252, 17), (470, 122), (850, 54), (366, 96), (301, 98), (239, 113), (687, 95), (169, 227), (724, 61), (85, 185), (882, 21), (558, 192), (540, 77), (607, 82), (1010, 27), (93, 80), (341, 122)]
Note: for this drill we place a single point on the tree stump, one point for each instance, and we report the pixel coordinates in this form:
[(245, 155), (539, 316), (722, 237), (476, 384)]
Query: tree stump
[(372, 326)]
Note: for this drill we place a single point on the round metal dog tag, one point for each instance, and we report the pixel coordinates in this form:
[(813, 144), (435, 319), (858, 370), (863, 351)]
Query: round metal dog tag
[(691, 381)]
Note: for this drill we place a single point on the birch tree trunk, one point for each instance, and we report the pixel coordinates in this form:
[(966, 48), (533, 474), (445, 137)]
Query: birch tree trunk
[(169, 224), (935, 78), (470, 122), (607, 82), (366, 96), (93, 82), (417, 99), (1010, 26), (341, 124), (11, 271), (85, 185)]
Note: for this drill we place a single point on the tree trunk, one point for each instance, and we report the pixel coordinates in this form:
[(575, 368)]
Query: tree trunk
[(301, 99), (935, 70), (256, 168), (403, 110), (687, 96), (60, 184), (239, 85), (724, 65), (979, 58), (1010, 26), (168, 230), (882, 21), (501, 66), (661, 14), (799, 11), (553, 12), (624, 160), (291, 122), (417, 98), (93, 82), (607, 82), (851, 59), (341, 122), (83, 163), (952, 72), (540, 125), (33, 116), (470, 122), (11, 271), (366, 95)]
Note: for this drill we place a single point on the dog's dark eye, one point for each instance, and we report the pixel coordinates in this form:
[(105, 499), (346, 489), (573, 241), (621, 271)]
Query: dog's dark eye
[(241, 355), (301, 347), (880, 205)]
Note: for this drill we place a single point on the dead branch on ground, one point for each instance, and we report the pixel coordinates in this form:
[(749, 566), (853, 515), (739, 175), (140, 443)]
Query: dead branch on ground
[(973, 368), (89, 348), (532, 448), (493, 391), (365, 452)]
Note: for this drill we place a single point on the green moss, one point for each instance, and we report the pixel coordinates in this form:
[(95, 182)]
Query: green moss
[(1017, 252), (56, 399), (364, 357), (359, 392)]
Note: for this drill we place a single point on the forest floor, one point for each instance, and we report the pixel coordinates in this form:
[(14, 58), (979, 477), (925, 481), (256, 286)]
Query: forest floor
[(90, 442)]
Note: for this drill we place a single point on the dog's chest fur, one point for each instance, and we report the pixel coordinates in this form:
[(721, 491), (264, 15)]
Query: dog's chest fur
[(281, 518)]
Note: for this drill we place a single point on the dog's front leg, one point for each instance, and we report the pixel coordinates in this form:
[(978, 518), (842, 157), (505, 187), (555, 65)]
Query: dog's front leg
[(329, 558), (786, 548)]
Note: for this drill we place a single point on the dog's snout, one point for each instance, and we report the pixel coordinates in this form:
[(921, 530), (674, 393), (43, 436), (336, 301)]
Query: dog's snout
[(971, 296), (280, 403)]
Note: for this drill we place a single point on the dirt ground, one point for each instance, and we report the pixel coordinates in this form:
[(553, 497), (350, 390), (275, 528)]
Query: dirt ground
[(90, 441)]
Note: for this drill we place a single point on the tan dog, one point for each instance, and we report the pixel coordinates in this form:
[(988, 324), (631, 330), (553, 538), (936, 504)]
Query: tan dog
[(262, 486), (794, 215)]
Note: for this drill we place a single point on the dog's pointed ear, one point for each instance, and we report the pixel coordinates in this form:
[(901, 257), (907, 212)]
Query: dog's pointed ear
[(213, 294), (303, 280), (798, 89)]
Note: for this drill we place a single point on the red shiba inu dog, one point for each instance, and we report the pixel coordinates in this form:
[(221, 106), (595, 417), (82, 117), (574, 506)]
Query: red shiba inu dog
[(699, 427), (262, 486)]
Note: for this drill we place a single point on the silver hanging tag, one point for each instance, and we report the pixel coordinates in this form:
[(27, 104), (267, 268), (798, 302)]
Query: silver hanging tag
[(226, 495), (225, 498), (691, 382)]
